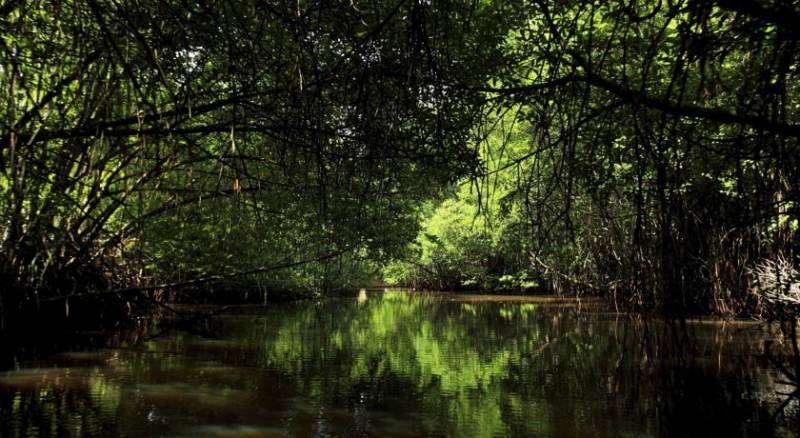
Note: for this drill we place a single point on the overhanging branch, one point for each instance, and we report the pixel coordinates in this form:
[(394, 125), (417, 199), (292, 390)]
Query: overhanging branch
[(711, 114)]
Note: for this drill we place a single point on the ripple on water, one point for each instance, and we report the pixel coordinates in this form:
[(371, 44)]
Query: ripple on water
[(198, 396), (34, 378), (236, 430)]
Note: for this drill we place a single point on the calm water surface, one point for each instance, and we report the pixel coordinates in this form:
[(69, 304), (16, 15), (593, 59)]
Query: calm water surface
[(403, 364)]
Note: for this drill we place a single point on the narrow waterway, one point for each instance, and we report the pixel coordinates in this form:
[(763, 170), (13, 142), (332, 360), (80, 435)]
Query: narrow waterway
[(396, 363)]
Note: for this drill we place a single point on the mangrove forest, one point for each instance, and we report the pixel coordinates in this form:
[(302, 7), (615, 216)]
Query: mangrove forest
[(399, 218)]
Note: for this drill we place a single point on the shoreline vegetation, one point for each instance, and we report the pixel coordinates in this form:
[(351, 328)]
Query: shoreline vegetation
[(643, 153)]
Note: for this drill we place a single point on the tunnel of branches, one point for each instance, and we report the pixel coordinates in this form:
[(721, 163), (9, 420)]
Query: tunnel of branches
[(643, 151)]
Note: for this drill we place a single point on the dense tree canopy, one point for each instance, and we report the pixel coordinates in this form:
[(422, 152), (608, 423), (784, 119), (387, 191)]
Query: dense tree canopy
[(662, 144), (643, 149), (181, 139)]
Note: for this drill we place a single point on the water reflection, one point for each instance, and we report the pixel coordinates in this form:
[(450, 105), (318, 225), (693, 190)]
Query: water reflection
[(400, 364)]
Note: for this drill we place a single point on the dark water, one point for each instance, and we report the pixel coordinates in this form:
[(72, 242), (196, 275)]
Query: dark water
[(401, 364)]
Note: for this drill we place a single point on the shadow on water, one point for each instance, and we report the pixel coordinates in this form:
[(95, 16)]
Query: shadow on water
[(403, 364)]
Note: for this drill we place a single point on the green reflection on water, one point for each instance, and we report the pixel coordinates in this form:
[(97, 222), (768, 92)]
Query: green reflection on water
[(447, 356), (404, 364)]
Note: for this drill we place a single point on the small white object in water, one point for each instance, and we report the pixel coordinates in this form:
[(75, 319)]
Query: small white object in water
[(152, 416)]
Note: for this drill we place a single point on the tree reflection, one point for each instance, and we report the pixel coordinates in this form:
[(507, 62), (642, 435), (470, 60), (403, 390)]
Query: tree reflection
[(491, 367), (405, 364)]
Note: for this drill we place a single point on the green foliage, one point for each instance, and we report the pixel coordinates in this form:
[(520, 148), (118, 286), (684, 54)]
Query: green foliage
[(472, 239), (172, 141), (647, 151)]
